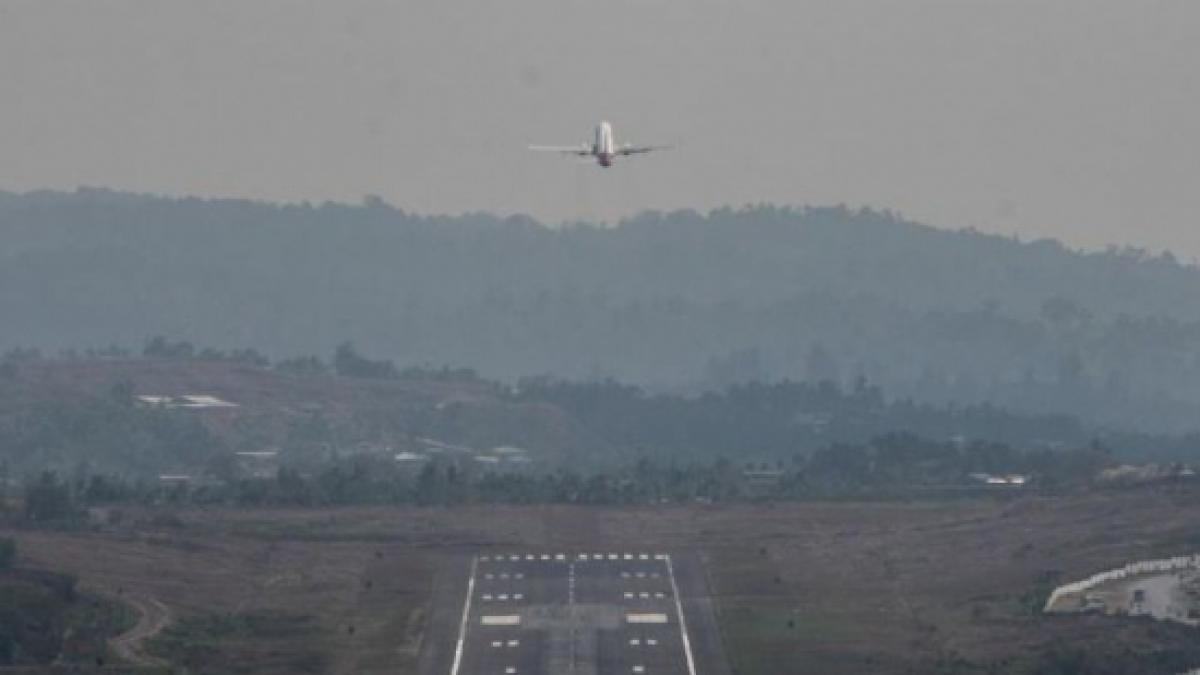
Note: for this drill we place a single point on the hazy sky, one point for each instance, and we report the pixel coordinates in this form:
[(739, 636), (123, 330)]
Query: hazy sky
[(1073, 119)]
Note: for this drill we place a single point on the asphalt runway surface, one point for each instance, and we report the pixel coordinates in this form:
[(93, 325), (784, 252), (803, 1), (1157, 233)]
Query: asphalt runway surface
[(573, 613)]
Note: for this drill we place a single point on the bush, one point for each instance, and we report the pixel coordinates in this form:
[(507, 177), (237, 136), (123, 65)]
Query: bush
[(8, 553)]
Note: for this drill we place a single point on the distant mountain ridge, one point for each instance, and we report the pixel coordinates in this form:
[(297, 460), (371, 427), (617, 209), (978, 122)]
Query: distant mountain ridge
[(678, 300)]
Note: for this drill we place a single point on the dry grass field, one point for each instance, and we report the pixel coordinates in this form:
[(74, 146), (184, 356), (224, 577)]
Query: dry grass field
[(822, 588)]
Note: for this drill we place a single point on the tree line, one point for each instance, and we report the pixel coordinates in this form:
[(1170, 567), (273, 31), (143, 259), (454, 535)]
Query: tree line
[(895, 465)]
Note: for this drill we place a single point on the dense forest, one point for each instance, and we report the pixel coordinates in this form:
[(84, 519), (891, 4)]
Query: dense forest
[(679, 301), (44, 619), (311, 414)]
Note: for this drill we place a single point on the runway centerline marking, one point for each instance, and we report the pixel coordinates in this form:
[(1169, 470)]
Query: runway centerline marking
[(571, 609)]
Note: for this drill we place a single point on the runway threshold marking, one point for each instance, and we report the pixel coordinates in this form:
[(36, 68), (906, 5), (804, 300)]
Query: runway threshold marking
[(687, 645), (462, 627)]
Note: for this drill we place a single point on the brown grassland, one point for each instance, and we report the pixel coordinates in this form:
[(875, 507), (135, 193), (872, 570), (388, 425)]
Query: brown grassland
[(825, 588)]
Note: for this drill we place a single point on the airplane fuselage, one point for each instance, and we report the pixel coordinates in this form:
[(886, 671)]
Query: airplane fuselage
[(604, 147)]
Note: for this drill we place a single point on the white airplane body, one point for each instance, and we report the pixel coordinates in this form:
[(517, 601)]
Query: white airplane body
[(603, 147)]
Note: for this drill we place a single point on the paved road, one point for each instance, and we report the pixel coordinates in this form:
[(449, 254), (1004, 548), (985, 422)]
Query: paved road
[(575, 613)]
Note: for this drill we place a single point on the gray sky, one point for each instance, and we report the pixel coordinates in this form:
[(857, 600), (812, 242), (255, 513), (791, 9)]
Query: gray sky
[(1077, 119)]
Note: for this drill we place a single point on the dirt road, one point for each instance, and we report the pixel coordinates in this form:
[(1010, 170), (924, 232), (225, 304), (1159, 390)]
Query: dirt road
[(153, 616)]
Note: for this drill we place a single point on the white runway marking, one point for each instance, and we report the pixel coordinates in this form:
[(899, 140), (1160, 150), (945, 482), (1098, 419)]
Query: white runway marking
[(571, 584), (462, 628), (631, 618), (657, 617), (571, 608), (687, 646), (499, 620)]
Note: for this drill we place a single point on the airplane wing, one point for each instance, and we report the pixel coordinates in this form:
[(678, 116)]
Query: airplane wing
[(565, 149), (641, 149)]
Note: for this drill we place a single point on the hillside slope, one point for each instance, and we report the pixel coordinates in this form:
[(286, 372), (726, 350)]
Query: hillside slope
[(667, 300)]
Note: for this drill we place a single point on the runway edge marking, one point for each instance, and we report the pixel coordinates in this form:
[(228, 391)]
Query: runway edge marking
[(687, 645), (462, 628)]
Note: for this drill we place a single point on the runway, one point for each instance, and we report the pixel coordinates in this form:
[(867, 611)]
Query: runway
[(575, 613)]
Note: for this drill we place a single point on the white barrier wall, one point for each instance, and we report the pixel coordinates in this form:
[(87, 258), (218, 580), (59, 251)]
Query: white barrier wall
[(1176, 564)]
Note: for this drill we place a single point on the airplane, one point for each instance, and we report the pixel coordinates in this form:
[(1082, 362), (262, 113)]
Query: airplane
[(603, 147)]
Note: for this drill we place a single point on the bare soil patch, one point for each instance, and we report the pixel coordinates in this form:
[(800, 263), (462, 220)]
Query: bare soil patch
[(821, 587)]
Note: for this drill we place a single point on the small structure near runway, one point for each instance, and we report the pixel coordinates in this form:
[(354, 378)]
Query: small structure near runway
[(1167, 589)]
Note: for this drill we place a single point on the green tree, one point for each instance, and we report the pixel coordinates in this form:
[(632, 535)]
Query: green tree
[(49, 500), (8, 552), (348, 362)]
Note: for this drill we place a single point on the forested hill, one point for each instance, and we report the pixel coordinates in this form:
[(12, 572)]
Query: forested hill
[(676, 300)]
